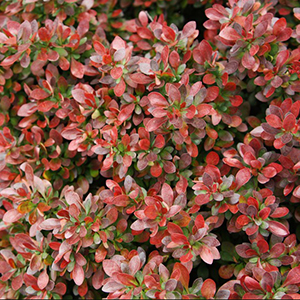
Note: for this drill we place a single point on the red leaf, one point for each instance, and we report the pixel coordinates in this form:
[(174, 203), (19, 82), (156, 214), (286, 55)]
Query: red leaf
[(173, 93), (17, 282), (174, 59), (167, 194), (209, 79), (212, 93), (99, 48), (173, 228), (82, 289), (204, 110), (140, 78), (134, 264), (278, 228), (169, 167), (213, 134), (116, 72), (159, 141), (251, 284), (144, 144), (100, 254), (242, 221), (60, 288), (203, 52), (289, 122), (126, 112), (126, 279), (46, 106), (155, 123), (282, 57), (208, 289), (199, 221), (151, 212), (293, 277), (264, 213), (181, 275), (279, 26), (274, 121), (120, 88), (156, 170), (64, 64), (242, 177), (181, 185), (156, 99), (44, 34), (192, 150), (277, 250), (212, 158), (269, 172), (236, 100), (187, 257), (8, 61), (179, 239), (77, 68)]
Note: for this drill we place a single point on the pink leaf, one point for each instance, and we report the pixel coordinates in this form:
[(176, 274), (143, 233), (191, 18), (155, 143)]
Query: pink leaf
[(97, 279), (50, 224), (189, 28), (134, 265), (110, 267), (78, 274), (167, 194), (12, 216), (27, 109), (43, 279), (83, 27), (230, 34), (248, 61), (206, 255)]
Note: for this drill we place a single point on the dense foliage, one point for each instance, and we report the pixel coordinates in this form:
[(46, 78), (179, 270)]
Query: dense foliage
[(149, 149)]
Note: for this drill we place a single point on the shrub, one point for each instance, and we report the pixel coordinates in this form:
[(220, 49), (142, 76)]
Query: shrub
[(148, 155)]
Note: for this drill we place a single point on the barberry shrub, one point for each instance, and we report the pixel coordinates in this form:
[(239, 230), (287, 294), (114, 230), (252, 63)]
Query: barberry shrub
[(149, 149)]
